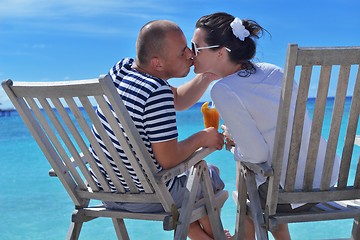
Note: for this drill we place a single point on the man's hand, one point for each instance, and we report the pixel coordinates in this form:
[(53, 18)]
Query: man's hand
[(213, 138), (171, 153)]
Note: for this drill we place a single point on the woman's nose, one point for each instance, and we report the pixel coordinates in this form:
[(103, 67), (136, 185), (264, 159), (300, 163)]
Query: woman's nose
[(190, 53)]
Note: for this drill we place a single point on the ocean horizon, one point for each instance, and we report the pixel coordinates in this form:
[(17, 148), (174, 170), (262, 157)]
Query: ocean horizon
[(36, 206)]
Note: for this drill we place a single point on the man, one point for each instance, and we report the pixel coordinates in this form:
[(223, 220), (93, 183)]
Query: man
[(161, 54)]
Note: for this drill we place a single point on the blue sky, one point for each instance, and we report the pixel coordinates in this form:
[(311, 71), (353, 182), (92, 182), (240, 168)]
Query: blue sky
[(47, 40)]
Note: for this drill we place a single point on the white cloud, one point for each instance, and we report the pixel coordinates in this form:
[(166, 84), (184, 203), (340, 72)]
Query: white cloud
[(38, 46), (80, 16), (55, 9)]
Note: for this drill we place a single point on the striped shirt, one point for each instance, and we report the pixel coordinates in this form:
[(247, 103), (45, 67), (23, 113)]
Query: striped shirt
[(150, 102)]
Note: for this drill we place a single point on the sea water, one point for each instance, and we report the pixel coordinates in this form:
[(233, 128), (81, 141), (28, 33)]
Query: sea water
[(36, 206)]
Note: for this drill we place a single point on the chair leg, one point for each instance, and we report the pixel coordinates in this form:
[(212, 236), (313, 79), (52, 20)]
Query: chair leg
[(212, 209), (255, 206), (120, 229), (187, 205), (355, 233), (241, 204), (74, 230)]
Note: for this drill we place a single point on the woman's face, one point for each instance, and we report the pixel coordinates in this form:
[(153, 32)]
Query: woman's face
[(205, 59)]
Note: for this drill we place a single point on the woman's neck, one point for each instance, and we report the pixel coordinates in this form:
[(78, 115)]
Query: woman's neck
[(230, 69)]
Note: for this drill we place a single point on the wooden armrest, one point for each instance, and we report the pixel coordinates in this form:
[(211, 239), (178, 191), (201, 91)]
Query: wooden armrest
[(52, 172), (261, 168), (194, 158)]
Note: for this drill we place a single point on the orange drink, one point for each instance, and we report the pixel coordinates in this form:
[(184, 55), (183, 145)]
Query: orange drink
[(211, 116)]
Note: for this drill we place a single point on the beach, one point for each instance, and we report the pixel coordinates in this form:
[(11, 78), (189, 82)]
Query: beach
[(36, 206)]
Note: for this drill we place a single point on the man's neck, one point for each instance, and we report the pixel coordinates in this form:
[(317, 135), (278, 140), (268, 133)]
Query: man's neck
[(146, 70)]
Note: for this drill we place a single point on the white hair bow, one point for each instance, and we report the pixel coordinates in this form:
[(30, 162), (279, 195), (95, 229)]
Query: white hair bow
[(238, 29)]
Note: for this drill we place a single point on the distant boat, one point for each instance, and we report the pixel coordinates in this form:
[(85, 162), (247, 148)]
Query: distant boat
[(5, 111)]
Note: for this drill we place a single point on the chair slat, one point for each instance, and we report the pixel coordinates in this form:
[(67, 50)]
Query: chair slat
[(282, 125), (316, 127), (357, 177), (297, 129), (336, 120), (89, 135), (105, 138), (114, 125), (70, 150), (351, 130), (44, 143), (134, 137), (52, 135), (74, 108), (57, 89), (328, 56), (132, 134), (71, 146), (315, 195)]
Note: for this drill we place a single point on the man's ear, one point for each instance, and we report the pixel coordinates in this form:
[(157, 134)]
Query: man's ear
[(156, 64)]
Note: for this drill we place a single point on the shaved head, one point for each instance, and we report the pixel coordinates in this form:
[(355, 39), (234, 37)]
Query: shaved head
[(151, 41)]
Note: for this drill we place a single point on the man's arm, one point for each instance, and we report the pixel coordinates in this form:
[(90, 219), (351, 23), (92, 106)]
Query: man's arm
[(171, 153), (190, 92)]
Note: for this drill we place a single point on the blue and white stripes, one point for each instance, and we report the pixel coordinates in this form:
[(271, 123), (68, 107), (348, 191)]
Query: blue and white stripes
[(150, 103)]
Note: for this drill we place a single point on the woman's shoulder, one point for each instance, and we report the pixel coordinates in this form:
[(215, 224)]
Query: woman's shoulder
[(268, 70), (267, 66)]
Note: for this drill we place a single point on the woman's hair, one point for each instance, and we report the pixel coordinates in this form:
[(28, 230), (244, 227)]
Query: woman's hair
[(219, 32)]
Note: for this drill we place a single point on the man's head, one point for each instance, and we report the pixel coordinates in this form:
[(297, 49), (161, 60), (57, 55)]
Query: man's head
[(161, 50)]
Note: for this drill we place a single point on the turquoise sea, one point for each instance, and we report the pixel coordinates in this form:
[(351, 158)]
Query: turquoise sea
[(35, 206)]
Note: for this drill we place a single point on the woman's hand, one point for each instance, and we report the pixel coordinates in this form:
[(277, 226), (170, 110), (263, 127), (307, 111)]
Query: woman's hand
[(229, 142)]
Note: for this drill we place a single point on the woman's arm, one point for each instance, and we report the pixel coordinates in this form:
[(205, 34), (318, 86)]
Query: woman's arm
[(190, 92)]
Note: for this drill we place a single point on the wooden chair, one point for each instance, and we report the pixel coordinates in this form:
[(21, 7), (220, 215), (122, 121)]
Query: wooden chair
[(319, 66), (60, 115)]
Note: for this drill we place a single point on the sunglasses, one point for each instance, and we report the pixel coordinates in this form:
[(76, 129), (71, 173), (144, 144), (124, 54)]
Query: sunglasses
[(196, 49)]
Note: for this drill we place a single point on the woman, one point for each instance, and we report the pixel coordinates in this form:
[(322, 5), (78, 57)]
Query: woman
[(247, 98)]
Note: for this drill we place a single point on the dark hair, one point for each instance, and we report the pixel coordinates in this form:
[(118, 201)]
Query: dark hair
[(219, 32)]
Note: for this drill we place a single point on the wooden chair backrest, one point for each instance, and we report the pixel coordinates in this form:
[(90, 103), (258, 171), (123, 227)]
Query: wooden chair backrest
[(318, 68), (60, 116)]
